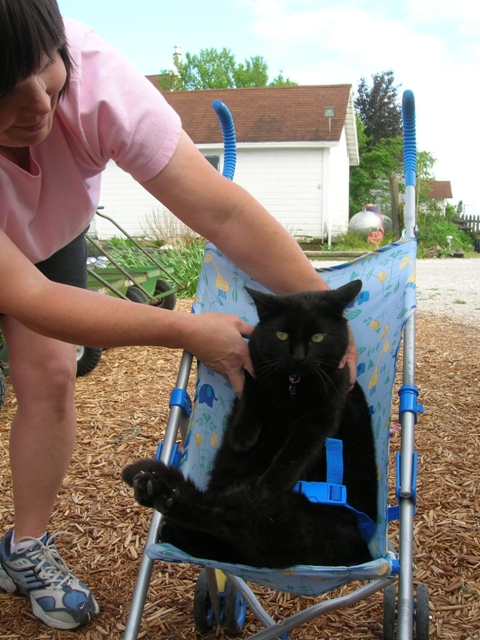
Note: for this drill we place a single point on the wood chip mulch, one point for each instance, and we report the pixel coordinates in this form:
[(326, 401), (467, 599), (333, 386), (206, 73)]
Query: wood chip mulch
[(122, 412)]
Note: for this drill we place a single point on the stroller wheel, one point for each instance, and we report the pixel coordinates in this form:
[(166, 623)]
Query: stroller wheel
[(422, 613), (235, 610), (203, 615), (389, 612)]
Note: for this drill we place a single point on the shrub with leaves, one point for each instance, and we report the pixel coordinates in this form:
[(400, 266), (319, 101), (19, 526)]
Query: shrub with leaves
[(183, 262), (128, 255), (433, 232)]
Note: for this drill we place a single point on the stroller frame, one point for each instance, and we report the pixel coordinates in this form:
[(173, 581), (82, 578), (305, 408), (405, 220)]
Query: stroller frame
[(402, 562)]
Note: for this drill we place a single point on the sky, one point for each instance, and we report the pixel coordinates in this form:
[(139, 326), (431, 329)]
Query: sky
[(432, 47)]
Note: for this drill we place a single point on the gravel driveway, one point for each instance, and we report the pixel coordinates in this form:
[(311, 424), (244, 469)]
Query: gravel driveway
[(446, 287)]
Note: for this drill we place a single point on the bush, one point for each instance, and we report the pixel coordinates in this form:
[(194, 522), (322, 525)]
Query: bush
[(183, 262), (356, 241), (432, 237)]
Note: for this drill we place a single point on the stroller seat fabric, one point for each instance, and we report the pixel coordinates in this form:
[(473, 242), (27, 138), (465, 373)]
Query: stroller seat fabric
[(376, 318)]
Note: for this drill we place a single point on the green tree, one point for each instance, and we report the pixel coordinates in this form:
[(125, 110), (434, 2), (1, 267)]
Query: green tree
[(378, 107), (425, 203), (213, 69), (378, 178), (369, 182), (380, 143)]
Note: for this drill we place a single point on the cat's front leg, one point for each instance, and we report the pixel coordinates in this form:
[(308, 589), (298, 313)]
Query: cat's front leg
[(304, 447), (244, 425)]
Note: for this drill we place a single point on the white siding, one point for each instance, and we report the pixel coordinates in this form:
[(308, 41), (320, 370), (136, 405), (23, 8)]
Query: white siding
[(288, 182), (304, 188), (125, 201), (339, 187)]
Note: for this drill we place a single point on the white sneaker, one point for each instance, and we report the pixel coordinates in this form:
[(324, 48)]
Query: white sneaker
[(58, 599)]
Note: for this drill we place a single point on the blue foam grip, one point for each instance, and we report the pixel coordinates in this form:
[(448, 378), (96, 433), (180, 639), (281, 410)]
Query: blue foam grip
[(229, 139), (409, 138)]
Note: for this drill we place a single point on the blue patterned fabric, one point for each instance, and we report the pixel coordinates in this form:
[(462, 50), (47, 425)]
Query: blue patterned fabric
[(376, 318)]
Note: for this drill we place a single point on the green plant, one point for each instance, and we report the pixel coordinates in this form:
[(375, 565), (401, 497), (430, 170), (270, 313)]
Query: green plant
[(127, 254), (356, 241), (183, 262), (433, 233)]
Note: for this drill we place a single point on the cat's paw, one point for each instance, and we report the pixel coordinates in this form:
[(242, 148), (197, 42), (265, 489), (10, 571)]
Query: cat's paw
[(130, 472), (162, 488), (154, 484)]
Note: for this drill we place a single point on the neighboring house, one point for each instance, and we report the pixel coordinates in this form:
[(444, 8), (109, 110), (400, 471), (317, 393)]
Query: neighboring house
[(440, 191), (295, 146)]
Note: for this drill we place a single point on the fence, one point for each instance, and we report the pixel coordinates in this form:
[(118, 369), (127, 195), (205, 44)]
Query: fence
[(471, 223)]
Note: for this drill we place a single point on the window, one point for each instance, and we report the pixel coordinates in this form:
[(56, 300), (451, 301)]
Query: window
[(214, 161)]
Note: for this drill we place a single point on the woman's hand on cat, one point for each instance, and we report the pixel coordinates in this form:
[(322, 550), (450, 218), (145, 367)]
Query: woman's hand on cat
[(218, 342), (350, 359)]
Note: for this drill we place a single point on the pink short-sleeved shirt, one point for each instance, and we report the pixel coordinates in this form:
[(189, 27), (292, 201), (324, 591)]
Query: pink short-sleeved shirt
[(110, 112)]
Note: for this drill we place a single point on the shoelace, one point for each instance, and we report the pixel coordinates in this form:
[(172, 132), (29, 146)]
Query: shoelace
[(51, 567)]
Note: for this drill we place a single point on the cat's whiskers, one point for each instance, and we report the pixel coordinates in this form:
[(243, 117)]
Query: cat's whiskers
[(326, 381), (267, 367)]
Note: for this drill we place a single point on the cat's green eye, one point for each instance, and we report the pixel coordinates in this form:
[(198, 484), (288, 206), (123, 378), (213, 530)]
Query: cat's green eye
[(318, 337), (281, 335)]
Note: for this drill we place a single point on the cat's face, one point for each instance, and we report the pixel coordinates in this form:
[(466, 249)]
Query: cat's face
[(301, 333)]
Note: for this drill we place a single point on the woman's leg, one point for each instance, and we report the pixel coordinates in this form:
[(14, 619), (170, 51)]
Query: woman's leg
[(42, 372)]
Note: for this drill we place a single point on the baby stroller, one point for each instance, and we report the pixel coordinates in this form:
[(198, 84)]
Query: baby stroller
[(379, 317)]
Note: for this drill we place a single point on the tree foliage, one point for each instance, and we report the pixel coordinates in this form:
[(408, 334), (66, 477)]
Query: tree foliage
[(425, 203), (378, 107), (369, 182), (379, 126), (213, 69)]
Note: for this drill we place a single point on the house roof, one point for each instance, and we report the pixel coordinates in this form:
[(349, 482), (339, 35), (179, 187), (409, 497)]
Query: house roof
[(270, 114), (439, 189)]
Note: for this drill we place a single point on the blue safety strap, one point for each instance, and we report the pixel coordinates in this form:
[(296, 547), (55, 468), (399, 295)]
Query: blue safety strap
[(333, 491)]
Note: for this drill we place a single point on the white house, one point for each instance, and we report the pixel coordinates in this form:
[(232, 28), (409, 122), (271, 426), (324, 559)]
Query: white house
[(295, 145), (440, 191)]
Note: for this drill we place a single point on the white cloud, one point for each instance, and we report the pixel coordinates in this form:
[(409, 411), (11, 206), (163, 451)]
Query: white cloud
[(435, 11), (432, 47)]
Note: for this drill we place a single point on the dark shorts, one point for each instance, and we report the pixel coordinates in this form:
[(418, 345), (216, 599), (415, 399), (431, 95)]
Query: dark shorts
[(68, 265)]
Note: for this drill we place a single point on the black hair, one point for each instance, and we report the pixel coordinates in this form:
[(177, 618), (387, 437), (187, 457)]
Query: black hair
[(29, 29)]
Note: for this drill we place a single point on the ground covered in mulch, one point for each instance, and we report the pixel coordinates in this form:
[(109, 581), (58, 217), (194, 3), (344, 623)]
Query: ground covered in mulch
[(122, 411)]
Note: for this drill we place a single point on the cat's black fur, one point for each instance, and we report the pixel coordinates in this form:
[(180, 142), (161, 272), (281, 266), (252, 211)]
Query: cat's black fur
[(275, 436)]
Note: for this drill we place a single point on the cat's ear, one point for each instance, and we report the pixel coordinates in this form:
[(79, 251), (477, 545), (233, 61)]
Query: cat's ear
[(347, 293), (266, 303)]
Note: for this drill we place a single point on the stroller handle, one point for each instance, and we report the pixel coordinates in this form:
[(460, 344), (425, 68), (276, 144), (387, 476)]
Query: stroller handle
[(409, 138), (229, 139)]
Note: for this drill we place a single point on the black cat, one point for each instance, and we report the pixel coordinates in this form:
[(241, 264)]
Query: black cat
[(275, 436)]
